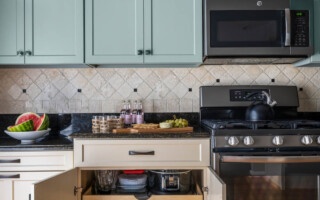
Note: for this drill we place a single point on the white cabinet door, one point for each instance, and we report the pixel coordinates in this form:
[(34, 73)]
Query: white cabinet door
[(6, 189), (59, 187), (216, 186)]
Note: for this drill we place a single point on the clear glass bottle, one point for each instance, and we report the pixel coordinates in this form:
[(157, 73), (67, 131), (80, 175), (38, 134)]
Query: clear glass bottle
[(134, 112), (127, 116), (123, 109), (140, 114)]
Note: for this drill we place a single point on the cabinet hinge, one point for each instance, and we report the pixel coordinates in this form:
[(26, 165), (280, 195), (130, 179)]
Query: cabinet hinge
[(76, 190), (29, 196), (205, 189)]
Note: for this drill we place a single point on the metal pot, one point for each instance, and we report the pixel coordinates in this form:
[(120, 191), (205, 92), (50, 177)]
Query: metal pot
[(262, 109), (170, 181)]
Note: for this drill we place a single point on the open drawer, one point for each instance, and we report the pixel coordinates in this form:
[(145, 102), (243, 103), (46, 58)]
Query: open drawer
[(76, 185)]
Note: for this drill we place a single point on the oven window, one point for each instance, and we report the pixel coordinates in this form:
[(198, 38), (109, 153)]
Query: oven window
[(271, 181), (247, 28)]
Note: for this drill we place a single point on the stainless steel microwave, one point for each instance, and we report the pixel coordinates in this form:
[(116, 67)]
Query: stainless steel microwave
[(254, 28)]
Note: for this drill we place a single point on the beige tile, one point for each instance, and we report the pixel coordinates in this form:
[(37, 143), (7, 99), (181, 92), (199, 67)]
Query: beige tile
[(79, 81), (144, 90), (89, 90), (70, 73), (199, 72), (186, 105), (97, 81), (125, 90), (263, 79), (244, 79), (189, 80), (134, 80), (271, 70), (171, 80), (196, 105), (32, 73), (180, 72), (180, 90), (300, 80), (116, 81), (69, 91), (309, 72), (42, 81), (173, 105), (88, 73), (15, 91), (143, 72), (95, 106), (153, 80), (235, 71), (109, 107), (216, 70), (147, 106), (106, 73), (253, 71), (159, 105), (282, 79), (290, 71), (107, 90)]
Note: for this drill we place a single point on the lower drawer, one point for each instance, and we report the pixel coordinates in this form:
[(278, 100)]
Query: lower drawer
[(36, 161), (88, 196)]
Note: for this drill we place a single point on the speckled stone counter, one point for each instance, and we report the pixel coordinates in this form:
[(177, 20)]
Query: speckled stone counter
[(195, 134), (48, 143)]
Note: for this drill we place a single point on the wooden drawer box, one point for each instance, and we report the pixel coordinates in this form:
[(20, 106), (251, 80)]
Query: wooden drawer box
[(88, 196), (36, 161), (142, 153)]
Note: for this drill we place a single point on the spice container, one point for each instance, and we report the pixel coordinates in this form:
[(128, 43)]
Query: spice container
[(107, 123), (95, 124)]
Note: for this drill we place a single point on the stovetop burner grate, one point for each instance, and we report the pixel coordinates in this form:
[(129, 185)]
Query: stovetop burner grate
[(242, 124)]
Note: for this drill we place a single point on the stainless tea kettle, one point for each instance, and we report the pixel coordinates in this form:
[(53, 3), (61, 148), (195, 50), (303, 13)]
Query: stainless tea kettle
[(262, 109)]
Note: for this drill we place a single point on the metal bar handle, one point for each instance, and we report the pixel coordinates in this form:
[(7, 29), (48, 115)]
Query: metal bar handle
[(270, 159), (11, 161), (10, 176), (288, 27), (141, 153)]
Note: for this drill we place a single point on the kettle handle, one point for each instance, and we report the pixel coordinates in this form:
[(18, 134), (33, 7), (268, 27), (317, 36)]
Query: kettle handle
[(269, 101)]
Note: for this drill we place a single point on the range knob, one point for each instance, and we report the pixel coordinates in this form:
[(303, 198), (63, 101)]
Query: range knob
[(233, 141), (318, 140), (248, 140), (277, 140), (306, 140)]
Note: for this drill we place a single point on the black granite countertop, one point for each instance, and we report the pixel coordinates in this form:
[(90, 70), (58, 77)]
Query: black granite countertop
[(47, 143), (195, 134)]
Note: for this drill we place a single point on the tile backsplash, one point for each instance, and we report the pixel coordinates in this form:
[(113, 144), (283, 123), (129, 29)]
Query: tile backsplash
[(83, 90)]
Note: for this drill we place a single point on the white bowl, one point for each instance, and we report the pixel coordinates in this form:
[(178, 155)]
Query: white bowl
[(28, 137)]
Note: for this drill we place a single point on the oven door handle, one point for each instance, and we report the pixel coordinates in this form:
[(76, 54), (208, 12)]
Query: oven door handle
[(270, 159), (287, 42)]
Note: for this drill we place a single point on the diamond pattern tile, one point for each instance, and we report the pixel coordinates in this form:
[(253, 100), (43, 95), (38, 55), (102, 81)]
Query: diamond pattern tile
[(161, 89)]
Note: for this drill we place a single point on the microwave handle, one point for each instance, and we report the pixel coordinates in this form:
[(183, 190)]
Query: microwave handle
[(288, 27)]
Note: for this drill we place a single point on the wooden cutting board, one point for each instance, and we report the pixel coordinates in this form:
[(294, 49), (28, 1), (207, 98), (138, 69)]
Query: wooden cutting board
[(157, 130)]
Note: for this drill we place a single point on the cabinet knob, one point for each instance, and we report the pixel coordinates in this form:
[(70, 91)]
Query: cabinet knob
[(140, 52), (148, 52), (20, 53), (28, 53)]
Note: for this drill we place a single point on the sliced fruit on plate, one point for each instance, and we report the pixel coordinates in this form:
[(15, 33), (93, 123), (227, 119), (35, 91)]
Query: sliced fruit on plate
[(24, 126), (27, 116), (42, 123)]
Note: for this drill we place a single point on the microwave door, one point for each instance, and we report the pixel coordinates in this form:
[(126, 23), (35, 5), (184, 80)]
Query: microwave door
[(248, 32)]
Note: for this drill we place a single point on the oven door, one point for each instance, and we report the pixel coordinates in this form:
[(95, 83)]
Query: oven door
[(271, 177), (248, 32)]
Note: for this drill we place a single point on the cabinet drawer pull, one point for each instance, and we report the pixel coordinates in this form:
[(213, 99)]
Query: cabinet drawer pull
[(149, 52), (11, 161), (140, 52), (10, 176), (138, 153), (28, 53)]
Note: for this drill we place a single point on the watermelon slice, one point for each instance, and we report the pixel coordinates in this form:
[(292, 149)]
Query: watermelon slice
[(42, 123), (24, 126), (27, 116)]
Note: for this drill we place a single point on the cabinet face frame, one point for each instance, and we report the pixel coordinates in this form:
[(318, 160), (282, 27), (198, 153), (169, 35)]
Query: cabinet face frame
[(44, 57), (18, 36)]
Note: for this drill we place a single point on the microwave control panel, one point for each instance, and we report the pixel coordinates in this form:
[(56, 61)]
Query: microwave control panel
[(300, 28), (241, 95)]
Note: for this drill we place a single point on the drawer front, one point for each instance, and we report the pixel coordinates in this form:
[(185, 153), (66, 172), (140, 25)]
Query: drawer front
[(142, 153), (36, 161)]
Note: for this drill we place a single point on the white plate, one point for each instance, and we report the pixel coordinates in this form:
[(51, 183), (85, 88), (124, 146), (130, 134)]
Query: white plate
[(28, 137)]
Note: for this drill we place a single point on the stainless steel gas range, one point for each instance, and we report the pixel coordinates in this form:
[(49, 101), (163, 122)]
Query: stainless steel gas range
[(261, 160)]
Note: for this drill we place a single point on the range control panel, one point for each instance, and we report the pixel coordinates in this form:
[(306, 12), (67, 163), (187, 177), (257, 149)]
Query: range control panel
[(241, 95), (300, 28)]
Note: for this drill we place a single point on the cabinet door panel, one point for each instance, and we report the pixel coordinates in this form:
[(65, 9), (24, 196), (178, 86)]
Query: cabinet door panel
[(114, 31), (11, 31), (216, 186), (6, 189), (173, 31), (54, 31), (59, 187)]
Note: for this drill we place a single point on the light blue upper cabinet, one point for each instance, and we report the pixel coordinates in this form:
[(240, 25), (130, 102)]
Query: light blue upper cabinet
[(54, 31), (173, 31), (11, 31), (114, 31), (313, 61)]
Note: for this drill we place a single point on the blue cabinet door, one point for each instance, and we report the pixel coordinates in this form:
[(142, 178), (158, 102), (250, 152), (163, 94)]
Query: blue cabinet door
[(11, 31), (114, 31), (173, 31), (54, 31)]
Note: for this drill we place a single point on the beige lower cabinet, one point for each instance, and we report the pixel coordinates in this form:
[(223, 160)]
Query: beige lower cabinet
[(76, 184), (19, 170)]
